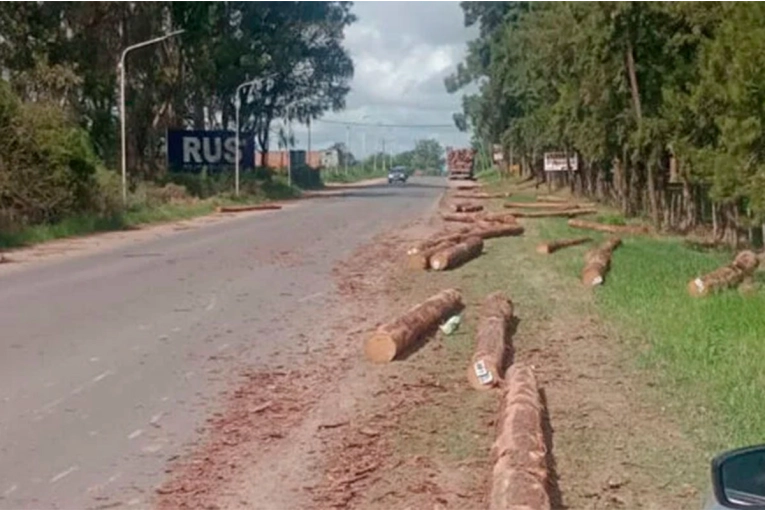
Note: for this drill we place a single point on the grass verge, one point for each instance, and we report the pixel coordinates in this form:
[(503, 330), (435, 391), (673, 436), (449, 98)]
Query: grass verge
[(706, 352), (138, 214)]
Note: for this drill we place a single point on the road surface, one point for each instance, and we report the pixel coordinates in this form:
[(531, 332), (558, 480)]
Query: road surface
[(110, 362)]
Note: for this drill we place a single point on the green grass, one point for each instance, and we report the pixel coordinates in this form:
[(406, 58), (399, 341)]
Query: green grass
[(708, 352), (140, 214)]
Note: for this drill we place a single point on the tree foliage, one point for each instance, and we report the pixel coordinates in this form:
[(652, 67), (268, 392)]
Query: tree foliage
[(632, 87)]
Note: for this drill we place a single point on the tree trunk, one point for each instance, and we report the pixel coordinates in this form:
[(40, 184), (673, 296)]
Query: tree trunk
[(391, 339), (597, 262), (725, 277), (519, 476), (457, 255), (612, 229), (553, 246), (492, 342)]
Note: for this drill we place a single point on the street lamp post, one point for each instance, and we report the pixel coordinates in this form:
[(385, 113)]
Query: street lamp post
[(122, 103)]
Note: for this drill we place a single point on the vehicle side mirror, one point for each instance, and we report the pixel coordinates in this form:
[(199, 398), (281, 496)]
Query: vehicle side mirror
[(738, 478)]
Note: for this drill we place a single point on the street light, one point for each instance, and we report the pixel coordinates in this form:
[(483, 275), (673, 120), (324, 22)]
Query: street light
[(122, 103)]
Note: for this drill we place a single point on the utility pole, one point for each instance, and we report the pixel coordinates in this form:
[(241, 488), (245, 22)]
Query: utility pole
[(309, 141), (383, 154)]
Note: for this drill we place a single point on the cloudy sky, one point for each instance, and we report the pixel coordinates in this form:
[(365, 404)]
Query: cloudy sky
[(401, 52)]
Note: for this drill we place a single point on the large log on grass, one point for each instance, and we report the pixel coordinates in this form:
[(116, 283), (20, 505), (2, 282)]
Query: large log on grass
[(519, 476), (460, 217), (612, 229), (597, 262), (552, 198), (463, 207), (498, 218), (553, 246), (742, 267), (490, 231), (393, 338), (565, 213), (491, 342), (457, 255)]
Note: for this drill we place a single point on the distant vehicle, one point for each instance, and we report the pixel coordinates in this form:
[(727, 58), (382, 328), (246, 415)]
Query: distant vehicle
[(460, 163), (398, 174), (738, 480)]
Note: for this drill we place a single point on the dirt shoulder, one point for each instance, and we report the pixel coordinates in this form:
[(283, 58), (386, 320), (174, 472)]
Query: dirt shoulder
[(338, 432)]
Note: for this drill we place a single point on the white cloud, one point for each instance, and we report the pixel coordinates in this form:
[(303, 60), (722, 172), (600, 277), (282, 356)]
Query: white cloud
[(402, 51)]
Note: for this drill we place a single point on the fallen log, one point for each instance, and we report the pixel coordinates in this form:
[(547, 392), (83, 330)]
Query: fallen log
[(742, 267), (467, 207), (553, 246), (468, 188), (552, 214), (457, 237), (244, 208), (548, 205), (421, 259), (460, 217), (490, 231), (491, 342), (481, 196), (519, 476), (457, 255), (597, 262), (612, 229), (391, 339), (552, 198), (498, 218)]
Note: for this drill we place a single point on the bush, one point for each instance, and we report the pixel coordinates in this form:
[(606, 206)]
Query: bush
[(47, 164)]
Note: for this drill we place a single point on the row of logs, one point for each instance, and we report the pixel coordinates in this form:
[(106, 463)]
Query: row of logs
[(519, 453)]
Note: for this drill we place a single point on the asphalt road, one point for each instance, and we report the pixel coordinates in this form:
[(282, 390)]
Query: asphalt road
[(105, 359)]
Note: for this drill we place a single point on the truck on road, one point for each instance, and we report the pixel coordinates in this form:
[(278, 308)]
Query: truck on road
[(460, 163)]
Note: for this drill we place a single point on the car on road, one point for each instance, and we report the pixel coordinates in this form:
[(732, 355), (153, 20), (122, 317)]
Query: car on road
[(738, 479), (398, 174)]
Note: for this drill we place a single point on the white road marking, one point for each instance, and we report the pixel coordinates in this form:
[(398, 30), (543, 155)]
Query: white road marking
[(77, 390), (93, 433), (63, 474), (113, 478), (175, 330), (135, 433), (51, 405), (93, 359), (211, 304), (102, 375), (152, 448), (310, 296), (10, 490), (165, 399)]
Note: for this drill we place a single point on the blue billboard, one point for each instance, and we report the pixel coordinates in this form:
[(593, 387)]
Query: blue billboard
[(193, 150)]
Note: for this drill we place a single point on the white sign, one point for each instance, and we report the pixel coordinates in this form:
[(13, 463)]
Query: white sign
[(556, 162)]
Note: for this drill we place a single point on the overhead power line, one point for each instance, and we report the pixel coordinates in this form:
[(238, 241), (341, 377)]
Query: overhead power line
[(374, 124)]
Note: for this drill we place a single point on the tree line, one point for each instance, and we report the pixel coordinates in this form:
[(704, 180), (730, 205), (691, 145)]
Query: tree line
[(664, 103)]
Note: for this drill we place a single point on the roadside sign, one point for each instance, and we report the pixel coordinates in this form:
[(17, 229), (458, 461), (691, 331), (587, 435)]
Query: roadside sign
[(556, 162), (192, 150)]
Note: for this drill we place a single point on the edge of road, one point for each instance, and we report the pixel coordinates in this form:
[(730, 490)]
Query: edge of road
[(27, 257)]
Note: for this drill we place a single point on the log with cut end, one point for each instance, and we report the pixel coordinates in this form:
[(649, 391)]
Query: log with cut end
[(393, 338), (564, 213), (456, 236), (457, 255), (498, 218), (490, 231), (597, 262), (742, 267), (612, 229), (552, 198), (519, 476), (421, 259), (553, 246), (466, 207), (492, 342)]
